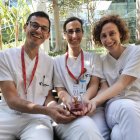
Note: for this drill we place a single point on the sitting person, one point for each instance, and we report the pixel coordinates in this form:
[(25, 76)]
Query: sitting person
[(77, 75), (121, 68), (26, 83)]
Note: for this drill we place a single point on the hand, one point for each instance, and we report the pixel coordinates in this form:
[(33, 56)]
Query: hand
[(87, 106), (60, 115), (93, 107), (79, 108)]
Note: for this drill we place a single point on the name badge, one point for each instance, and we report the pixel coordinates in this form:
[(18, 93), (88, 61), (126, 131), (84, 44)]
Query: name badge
[(76, 89), (82, 86)]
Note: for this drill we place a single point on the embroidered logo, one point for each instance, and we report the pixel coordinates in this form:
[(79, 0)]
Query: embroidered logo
[(120, 71)]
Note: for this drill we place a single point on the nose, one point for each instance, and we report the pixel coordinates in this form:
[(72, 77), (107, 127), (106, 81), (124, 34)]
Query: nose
[(74, 34), (108, 38), (39, 29)]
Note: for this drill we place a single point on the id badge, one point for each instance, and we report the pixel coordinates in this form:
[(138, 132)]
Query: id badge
[(76, 99), (76, 89), (83, 86)]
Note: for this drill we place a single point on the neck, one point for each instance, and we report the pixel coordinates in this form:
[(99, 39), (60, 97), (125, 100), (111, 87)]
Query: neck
[(74, 51), (118, 53), (31, 51)]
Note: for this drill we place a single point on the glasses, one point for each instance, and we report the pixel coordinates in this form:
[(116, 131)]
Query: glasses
[(35, 26), (71, 31)]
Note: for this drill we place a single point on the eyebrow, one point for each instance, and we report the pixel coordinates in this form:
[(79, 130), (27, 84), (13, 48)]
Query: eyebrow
[(38, 23)]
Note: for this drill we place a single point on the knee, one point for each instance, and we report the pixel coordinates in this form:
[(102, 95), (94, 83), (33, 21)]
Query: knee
[(121, 108), (116, 133), (84, 123), (128, 109)]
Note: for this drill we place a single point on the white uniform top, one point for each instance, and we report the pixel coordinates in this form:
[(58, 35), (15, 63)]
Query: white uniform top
[(92, 63), (129, 64), (11, 70)]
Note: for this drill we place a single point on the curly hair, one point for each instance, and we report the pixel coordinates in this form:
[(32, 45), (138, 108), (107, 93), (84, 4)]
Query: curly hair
[(118, 21)]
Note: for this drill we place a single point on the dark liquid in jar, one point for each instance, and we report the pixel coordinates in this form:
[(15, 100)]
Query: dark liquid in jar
[(78, 106)]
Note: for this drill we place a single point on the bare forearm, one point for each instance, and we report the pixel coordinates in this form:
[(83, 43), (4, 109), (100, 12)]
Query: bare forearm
[(50, 100), (91, 92), (109, 93), (103, 87), (92, 88), (115, 89), (27, 107), (62, 94)]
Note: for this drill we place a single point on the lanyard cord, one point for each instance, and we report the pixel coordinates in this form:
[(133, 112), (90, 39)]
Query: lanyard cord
[(83, 70), (24, 70)]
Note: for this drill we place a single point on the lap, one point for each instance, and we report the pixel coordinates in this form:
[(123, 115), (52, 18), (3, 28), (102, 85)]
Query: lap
[(80, 129), (123, 117), (14, 126), (100, 121), (37, 129)]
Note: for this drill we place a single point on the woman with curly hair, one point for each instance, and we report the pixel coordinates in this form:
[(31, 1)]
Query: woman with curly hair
[(121, 68)]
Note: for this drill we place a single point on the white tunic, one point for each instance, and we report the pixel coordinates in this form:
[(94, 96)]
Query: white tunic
[(92, 63), (128, 64), (11, 70)]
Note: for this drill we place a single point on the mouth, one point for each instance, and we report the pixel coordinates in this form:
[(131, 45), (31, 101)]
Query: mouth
[(75, 41), (110, 45), (36, 35)]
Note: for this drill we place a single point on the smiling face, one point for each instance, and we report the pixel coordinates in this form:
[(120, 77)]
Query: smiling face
[(73, 33), (36, 31), (110, 37)]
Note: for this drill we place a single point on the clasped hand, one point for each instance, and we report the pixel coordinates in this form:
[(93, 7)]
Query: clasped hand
[(79, 108)]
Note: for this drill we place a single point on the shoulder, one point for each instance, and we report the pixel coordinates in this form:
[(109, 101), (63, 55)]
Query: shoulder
[(103, 56), (59, 58), (45, 59), (91, 54), (133, 47), (10, 53), (11, 50), (43, 55), (133, 50)]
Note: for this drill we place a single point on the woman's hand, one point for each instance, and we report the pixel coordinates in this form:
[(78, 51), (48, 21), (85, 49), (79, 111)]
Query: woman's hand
[(79, 108), (93, 107)]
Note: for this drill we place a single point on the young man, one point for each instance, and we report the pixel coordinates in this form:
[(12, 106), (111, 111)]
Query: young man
[(26, 83)]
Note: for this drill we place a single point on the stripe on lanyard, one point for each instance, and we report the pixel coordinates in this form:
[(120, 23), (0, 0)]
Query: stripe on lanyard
[(24, 70), (83, 70)]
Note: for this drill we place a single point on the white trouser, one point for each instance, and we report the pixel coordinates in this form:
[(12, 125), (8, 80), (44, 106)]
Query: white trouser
[(123, 117), (100, 121), (14, 126), (83, 128)]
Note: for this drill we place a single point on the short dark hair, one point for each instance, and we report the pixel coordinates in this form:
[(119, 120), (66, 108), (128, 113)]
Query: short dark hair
[(39, 14), (72, 19), (118, 21)]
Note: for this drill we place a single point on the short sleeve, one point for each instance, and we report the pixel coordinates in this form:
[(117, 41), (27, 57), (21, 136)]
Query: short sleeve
[(57, 71), (97, 66), (5, 73), (132, 66)]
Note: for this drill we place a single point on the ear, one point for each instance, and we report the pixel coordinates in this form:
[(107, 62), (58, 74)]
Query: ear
[(48, 35), (120, 35), (64, 35), (24, 27)]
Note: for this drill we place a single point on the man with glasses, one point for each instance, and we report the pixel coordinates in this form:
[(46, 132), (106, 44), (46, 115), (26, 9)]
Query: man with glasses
[(26, 83)]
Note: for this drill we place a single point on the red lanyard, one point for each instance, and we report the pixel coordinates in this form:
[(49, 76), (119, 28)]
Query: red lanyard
[(83, 70), (24, 70)]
